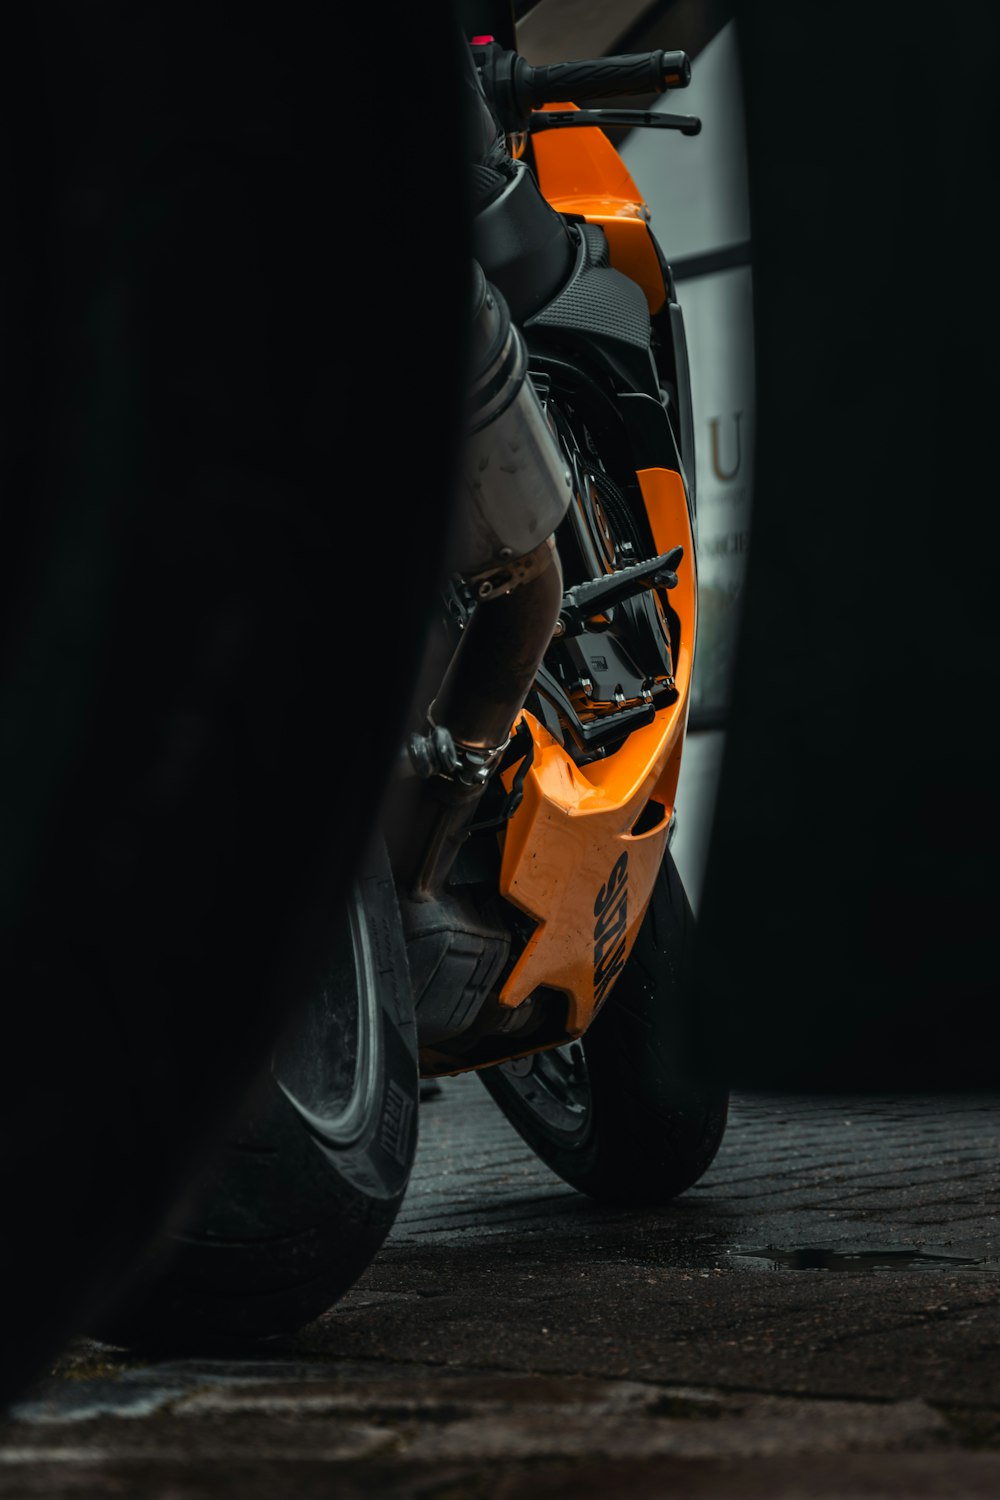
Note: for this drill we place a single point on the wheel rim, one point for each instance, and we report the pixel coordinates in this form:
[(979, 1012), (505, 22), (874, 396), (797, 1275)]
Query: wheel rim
[(329, 1064), (554, 1086)]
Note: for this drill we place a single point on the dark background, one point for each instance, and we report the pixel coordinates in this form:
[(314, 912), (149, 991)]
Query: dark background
[(849, 914)]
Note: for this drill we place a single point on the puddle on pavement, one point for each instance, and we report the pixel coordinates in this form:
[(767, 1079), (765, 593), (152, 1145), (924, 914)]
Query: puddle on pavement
[(823, 1258)]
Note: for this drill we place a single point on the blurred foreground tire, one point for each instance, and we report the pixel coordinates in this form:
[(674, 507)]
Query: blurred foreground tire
[(219, 292), (313, 1170)]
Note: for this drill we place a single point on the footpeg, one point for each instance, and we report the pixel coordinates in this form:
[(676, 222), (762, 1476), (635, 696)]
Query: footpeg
[(584, 601)]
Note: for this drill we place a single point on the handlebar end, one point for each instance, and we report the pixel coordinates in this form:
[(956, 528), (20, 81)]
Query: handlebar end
[(676, 69)]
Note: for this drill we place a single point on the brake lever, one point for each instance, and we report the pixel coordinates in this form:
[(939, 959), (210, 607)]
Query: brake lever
[(558, 119)]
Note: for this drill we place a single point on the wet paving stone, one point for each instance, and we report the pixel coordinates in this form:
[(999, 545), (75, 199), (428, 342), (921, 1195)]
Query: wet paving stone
[(819, 1317), (855, 1262)]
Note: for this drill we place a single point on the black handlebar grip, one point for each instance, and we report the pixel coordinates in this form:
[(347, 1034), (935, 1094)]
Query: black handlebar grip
[(596, 78)]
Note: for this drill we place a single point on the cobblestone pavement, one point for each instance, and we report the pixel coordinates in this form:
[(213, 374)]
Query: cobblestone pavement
[(817, 1318)]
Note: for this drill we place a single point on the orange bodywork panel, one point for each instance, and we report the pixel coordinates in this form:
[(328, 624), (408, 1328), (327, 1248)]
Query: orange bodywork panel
[(570, 859), (580, 172)]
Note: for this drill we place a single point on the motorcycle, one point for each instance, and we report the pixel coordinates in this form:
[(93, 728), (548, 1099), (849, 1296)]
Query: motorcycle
[(518, 913)]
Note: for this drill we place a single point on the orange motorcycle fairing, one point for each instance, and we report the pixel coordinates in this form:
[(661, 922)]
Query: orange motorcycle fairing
[(580, 172), (582, 851)]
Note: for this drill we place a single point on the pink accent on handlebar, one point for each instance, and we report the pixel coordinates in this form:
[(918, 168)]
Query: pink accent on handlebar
[(481, 41)]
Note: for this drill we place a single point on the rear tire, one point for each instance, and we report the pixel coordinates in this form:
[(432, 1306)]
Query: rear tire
[(635, 1112), (312, 1175)]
